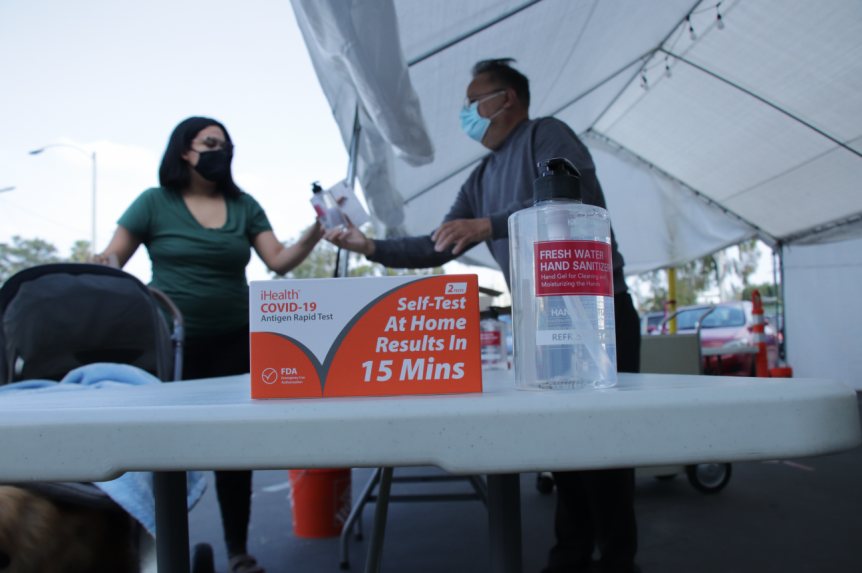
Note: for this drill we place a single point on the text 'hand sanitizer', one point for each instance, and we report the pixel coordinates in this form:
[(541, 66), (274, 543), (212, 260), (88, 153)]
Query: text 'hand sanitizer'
[(562, 287)]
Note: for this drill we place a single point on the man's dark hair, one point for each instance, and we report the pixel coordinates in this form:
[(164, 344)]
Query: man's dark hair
[(174, 170), (501, 72)]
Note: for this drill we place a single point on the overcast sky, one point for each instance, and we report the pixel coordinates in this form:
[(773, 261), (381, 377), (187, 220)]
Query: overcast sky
[(116, 77)]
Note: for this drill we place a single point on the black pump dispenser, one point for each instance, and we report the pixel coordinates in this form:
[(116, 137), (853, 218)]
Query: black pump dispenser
[(316, 188), (559, 180)]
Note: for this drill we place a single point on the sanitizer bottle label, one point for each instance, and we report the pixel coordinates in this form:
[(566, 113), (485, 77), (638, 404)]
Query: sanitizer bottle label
[(569, 267)]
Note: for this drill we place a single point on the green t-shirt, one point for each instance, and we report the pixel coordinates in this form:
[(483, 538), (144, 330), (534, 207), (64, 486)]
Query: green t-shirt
[(202, 270)]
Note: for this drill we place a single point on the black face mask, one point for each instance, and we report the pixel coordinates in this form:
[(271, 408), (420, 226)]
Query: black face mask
[(214, 165)]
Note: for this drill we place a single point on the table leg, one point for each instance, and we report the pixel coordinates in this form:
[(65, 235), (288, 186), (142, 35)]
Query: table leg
[(504, 520), (172, 522), (355, 517), (375, 546)]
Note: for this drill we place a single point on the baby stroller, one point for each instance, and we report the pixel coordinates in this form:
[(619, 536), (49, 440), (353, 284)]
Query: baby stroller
[(57, 317)]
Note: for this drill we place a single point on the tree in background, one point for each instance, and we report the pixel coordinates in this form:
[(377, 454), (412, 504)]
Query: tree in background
[(24, 253), (80, 252), (320, 263), (692, 279), (745, 265), (766, 290), (695, 278)]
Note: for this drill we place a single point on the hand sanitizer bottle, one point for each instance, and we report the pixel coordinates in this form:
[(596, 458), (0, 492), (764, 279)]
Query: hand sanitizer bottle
[(492, 332), (327, 210), (562, 287)]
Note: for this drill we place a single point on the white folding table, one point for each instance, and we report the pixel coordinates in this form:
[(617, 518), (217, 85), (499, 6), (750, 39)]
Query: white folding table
[(647, 420)]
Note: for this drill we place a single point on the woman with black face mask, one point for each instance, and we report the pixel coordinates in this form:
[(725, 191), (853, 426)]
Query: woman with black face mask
[(199, 228)]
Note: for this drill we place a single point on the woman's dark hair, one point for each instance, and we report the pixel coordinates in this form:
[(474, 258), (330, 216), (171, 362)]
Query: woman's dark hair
[(501, 72), (174, 170)]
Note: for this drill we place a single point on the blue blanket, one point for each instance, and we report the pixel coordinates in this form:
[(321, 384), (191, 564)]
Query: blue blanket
[(134, 490)]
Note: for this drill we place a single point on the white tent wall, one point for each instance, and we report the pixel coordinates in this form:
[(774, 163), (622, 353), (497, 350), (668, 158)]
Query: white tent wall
[(658, 221), (824, 310)]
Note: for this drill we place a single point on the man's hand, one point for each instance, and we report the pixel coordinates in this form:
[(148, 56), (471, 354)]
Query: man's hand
[(351, 239), (462, 232)]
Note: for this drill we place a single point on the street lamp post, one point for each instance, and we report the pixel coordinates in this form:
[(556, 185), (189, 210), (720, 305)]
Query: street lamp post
[(93, 157)]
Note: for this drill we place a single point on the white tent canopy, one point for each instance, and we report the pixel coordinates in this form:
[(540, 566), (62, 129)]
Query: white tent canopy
[(701, 139)]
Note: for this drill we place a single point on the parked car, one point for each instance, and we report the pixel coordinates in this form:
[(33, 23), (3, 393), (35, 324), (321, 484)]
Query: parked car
[(650, 322), (729, 326)]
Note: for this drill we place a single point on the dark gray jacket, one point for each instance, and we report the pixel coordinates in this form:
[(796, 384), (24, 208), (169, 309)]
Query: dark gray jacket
[(501, 185)]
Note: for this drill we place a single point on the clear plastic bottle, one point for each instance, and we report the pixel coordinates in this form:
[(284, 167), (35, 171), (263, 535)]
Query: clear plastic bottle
[(492, 332), (327, 210), (562, 287)]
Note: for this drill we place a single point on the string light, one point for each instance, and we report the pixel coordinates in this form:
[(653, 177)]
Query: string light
[(666, 67), (691, 29), (719, 21), (644, 84)]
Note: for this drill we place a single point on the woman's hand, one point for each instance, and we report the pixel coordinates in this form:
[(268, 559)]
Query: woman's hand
[(351, 239), (109, 260), (280, 259), (123, 245), (313, 234)]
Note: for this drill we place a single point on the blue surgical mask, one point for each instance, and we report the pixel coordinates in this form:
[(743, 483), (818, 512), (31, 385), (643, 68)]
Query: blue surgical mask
[(473, 124)]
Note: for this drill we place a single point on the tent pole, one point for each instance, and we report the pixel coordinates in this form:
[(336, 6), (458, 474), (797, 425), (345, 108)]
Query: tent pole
[(341, 259), (783, 329), (354, 149), (671, 303), (775, 292)]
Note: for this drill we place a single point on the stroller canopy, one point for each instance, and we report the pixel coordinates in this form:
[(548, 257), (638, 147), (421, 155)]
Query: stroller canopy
[(61, 316)]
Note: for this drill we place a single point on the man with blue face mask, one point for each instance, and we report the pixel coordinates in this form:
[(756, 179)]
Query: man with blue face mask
[(495, 113), (594, 508)]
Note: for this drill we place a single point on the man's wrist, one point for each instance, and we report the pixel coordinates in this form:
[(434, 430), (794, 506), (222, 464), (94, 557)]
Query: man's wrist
[(487, 229), (499, 225), (369, 249)]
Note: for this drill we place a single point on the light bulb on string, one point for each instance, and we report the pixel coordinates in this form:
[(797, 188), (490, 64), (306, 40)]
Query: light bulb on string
[(691, 29), (644, 81), (720, 23), (666, 67)]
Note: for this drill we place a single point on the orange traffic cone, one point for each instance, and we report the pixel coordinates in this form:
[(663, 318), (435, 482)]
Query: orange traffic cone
[(760, 361)]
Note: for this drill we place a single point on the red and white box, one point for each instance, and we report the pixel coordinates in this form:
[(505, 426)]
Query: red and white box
[(371, 336)]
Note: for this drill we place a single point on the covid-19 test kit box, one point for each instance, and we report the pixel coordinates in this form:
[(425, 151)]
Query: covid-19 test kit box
[(370, 336)]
